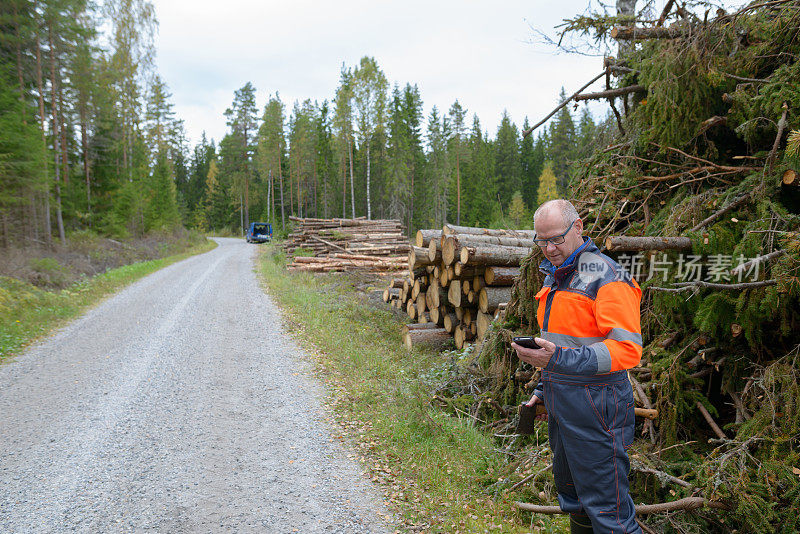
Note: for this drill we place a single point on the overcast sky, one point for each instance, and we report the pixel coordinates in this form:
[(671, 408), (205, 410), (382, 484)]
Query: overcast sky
[(485, 54)]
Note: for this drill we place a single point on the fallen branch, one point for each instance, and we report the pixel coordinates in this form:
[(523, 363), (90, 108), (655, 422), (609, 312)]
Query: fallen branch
[(719, 213), (687, 503), (662, 474), (632, 33), (746, 266), (533, 476), (612, 93), (697, 170), (743, 79), (713, 424), (629, 243), (781, 127), (711, 285), (648, 424), (665, 12)]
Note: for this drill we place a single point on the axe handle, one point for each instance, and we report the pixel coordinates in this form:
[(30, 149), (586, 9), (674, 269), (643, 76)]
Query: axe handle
[(647, 413)]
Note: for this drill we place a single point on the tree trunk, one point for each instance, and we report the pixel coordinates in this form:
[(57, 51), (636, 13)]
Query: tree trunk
[(473, 240), (418, 257), (434, 251), (423, 237), (484, 321), (454, 293), (631, 243), (56, 142), (269, 193), (491, 297), (280, 179), (344, 187), (458, 190), (369, 205), (352, 186), (433, 338), (452, 229), (85, 157), (501, 276), (48, 232), (494, 255)]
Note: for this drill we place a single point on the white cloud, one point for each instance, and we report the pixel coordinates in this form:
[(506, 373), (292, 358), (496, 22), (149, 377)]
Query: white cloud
[(477, 52)]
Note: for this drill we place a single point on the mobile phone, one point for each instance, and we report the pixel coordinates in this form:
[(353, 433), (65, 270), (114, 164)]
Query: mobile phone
[(526, 341)]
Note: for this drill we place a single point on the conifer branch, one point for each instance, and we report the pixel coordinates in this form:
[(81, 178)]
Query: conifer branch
[(687, 503), (711, 285), (527, 132)]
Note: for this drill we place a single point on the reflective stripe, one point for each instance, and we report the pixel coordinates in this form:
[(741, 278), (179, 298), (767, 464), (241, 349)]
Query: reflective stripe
[(603, 357), (620, 334), (564, 340)]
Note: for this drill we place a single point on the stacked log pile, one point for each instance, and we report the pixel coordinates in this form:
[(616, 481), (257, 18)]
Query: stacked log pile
[(459, 279), (348, 245)]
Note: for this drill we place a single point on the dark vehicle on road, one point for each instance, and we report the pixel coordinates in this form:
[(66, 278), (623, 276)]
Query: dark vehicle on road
[(259, 232)]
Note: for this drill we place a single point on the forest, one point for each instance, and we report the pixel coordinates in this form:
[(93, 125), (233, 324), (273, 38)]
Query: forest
[(91, 142)]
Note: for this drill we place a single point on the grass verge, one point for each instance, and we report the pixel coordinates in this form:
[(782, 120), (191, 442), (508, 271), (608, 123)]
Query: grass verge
[(28, 312), (434, 468)]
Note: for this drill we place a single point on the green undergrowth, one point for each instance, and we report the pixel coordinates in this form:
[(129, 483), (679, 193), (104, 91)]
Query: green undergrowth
[(434, 469), (28, 312)]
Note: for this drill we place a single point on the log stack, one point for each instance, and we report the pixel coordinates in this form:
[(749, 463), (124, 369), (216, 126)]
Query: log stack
[(348, 245), (459, 278)]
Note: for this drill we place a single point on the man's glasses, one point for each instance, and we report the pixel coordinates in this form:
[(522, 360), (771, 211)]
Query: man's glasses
[(556, 240)]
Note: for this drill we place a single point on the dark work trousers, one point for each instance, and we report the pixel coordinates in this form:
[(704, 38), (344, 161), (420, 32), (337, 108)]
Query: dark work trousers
[(591, 424)]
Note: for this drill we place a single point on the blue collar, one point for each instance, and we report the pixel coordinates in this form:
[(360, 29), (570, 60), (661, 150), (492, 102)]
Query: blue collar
[(550, 268)]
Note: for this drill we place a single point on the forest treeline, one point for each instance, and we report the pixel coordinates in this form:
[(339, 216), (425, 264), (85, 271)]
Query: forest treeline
[(90, 141)]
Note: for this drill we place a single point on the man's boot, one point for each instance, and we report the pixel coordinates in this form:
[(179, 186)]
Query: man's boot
[(580, 524)]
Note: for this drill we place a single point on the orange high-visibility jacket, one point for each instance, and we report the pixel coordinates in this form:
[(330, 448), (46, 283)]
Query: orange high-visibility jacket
[(590, 311)]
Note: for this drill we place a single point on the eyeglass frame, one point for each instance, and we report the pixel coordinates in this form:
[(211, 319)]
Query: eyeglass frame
[(562, 237)]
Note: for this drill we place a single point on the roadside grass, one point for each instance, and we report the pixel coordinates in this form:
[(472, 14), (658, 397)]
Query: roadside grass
[(434, 468), (28, 312)]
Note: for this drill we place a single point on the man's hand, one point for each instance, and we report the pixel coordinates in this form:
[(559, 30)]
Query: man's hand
[(536, 400), (536, 357)]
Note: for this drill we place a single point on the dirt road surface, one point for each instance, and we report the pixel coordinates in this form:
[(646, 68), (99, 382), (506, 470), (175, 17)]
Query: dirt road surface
[(179, 405)]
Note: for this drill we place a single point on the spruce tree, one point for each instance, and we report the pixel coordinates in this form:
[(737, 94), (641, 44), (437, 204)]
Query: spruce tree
[(507, 160), (548, 186), (561, 147)]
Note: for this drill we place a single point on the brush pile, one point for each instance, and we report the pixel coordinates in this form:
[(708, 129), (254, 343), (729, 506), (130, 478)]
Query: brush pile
[(347, 245), (459, 278), (694, 192)]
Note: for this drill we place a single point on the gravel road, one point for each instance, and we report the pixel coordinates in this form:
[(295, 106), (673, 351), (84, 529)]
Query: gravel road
[(178, 405)]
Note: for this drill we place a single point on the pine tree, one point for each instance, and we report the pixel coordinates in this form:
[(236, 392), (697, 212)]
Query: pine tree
[(270, 154), (456, 116), (242, 118)]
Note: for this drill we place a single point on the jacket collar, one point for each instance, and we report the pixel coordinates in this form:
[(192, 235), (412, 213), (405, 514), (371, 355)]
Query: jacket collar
[(568, 266)]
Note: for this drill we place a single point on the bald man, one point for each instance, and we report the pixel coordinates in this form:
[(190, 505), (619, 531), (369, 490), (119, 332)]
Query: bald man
[(590, 335)]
